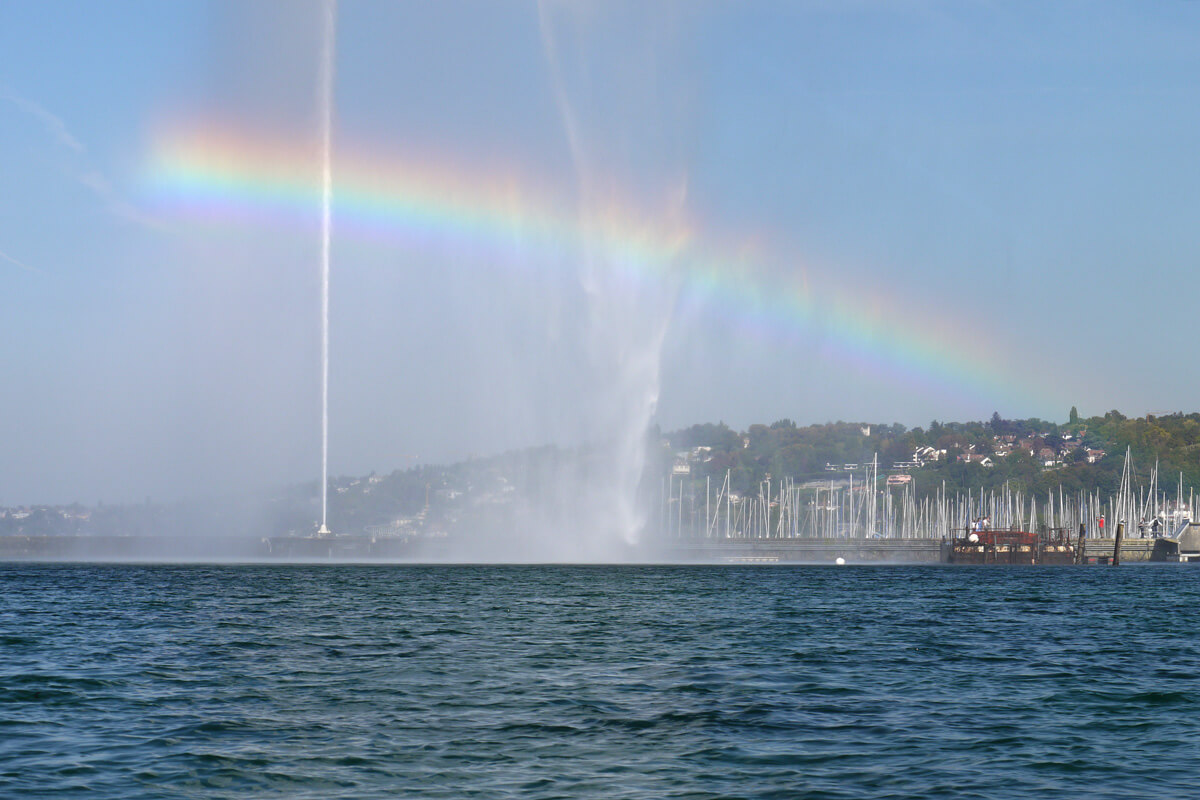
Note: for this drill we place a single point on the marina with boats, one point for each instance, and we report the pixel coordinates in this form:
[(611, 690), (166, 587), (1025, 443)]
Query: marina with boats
[(872, 519)]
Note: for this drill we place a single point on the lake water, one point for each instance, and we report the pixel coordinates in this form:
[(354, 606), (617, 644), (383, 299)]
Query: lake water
[(354, 681)]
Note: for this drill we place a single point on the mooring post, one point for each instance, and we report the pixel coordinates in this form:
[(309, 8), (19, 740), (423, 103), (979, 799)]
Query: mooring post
[(1079, 559), (1116, 559)]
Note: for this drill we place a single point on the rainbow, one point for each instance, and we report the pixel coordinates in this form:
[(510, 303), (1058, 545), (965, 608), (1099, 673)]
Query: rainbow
[(222, 175)]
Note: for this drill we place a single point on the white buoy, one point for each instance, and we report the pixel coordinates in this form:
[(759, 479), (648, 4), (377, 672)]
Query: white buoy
[(841, 562)]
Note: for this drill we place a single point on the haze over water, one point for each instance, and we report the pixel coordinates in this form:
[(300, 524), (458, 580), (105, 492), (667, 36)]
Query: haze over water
[(597, 682)]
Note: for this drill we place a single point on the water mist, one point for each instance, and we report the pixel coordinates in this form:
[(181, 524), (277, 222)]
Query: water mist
[(628, 307)]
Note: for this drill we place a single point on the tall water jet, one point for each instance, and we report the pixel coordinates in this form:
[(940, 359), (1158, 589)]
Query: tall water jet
[(325, 112)]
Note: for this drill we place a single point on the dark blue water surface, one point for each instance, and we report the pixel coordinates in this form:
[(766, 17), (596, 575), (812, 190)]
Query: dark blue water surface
[(122, 681)]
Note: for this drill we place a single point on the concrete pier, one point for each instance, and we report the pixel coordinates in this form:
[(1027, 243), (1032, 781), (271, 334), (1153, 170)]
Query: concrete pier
[(1100, 551), (801, 551)]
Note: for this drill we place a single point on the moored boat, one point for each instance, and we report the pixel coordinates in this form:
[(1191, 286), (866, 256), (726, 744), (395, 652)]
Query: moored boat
[(1011, 547)]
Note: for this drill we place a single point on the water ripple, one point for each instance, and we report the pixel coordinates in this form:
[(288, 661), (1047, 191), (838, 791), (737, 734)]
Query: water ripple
[(122, 681)]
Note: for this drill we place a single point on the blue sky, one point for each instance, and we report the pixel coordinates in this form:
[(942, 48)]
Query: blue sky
[(1020, 177)]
